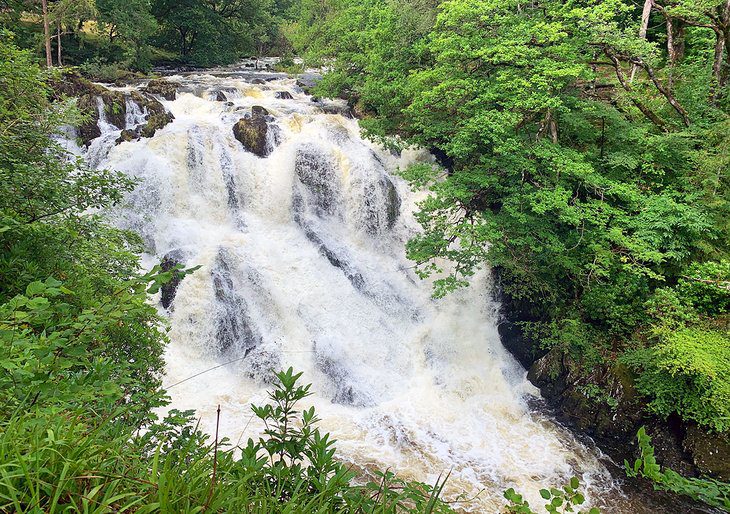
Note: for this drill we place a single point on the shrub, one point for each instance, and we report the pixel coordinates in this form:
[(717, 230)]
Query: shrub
[(688, 372)]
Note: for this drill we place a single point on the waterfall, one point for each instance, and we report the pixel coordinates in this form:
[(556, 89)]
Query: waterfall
[(134, 115), (303, 265)]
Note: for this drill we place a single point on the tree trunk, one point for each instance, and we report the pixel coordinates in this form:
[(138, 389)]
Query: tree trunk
[(722, 48), (58, 43), (646, 13), (675, 44), (47, 34)]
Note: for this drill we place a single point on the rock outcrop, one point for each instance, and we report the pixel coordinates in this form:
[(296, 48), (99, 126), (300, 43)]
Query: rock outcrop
[(168, 291), (252, 132), (167, 89), (114, 105), (603, 403)]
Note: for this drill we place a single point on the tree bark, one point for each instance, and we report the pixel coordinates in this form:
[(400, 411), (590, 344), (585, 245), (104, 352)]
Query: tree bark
[(645, 15), (47, 34), (58, 43), (675, 44)]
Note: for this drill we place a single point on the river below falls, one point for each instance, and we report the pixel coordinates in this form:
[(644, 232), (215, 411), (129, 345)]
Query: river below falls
[(303, 264)]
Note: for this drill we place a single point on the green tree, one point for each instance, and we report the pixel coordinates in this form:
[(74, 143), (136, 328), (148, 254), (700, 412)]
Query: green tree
[(131, 21)]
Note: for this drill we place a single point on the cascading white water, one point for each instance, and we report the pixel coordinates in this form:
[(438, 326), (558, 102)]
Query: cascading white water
[(303, 265)]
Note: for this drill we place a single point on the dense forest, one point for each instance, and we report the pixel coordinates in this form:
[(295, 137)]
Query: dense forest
[(581, 151)]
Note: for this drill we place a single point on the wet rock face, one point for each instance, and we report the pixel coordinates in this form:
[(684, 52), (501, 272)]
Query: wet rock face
[(114, 107), (221, 97), (234, 328), (89, 130), (710, 452), (338, 261), (382, 205), (128, 135), (158, 116), (580, 400), (317, 171), (169, 290), (344, 391), (115, 110), (283, 95), (253, 132), (164, 88)]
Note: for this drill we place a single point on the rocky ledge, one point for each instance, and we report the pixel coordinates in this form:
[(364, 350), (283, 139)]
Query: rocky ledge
[(605, 405), (88, 95)]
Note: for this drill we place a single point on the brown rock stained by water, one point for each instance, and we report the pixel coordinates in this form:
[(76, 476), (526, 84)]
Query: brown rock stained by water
[(252, 132)]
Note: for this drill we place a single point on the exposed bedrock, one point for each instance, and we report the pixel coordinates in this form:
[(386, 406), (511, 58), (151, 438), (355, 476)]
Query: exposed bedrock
[(235, 331), (257, 133), (317, 171), (344, 389), (167, 89), (169, 262), (570, 390), (114, 107)]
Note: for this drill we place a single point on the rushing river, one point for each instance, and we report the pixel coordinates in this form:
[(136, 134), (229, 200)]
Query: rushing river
[(302, 264)]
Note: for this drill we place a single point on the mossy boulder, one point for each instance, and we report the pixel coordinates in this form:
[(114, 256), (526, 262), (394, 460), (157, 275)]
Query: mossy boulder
[(155, 123), (167, 89), (71, 84), (252, 132), (128, 135), (157, 117)]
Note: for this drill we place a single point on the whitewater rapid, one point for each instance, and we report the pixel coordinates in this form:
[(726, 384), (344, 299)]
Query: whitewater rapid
[(303, 264)]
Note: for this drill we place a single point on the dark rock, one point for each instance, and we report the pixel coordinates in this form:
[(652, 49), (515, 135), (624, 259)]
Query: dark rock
[(155, 123), (221, 97), (89, 129), (71, 84), (339, 262), (513, 312), (234, 328), (128, 135), (307, 81), (252, 132), (169, 262), (158, 117), (114, 107), (283, 95), (666, 438), (258, 82), (344, 393), (710, 452), (317, 171), (164, 88), (603, 403), (257, 110)]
